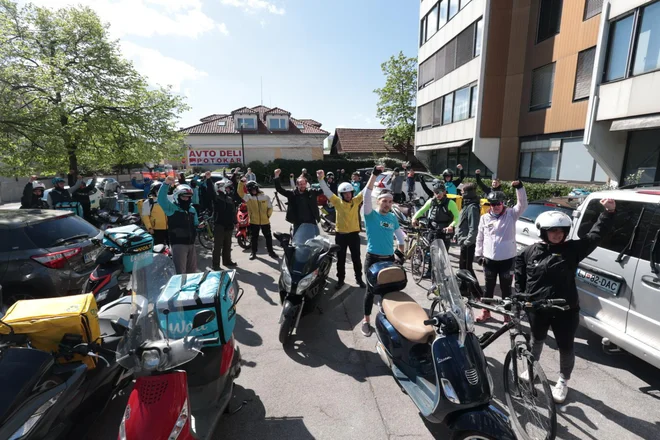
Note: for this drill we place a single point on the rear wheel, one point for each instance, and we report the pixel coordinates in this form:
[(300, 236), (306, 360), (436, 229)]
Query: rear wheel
[(417, 265)]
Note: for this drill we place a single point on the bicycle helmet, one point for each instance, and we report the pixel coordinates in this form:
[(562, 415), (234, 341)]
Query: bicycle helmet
[(345, 187), (553, 219), (38, 185), (57, 180), (496, 197), (222, 185), (252, 186), (330, 174), (438, 187), (447, 172), (182, 190), (155, 187)]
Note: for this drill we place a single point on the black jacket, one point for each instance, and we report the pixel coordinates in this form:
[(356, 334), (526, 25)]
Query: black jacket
[(548, 271), (468, 222), (302, 207), (224, 209), (30, 201), (485, 188)]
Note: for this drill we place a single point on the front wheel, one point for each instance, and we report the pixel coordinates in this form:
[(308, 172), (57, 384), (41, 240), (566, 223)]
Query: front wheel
[(286, 327), (418, 265), (244, 241), (530, 402)]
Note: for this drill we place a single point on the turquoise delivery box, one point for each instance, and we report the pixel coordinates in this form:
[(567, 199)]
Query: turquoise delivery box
[(185, 295), (74, 207), (135, 244)]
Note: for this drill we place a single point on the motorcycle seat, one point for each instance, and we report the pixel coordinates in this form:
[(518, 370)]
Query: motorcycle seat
[(407, 317)]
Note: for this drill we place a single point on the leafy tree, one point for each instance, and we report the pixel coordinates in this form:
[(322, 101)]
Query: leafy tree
[(68, 99), (396, 106)]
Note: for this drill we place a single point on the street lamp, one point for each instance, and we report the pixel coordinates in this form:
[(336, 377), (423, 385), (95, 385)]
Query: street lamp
[(242, 143)]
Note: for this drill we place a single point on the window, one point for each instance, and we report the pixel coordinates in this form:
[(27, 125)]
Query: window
[(583, 74), (277, 124), (453, 8), (249, 123), (464, 3), (592, 8), (543, 80), (465, 46), (647, 44), (450, 56), (576, 162), (448, 108), (462, 104), (432, 22), (427, 71), (473, 100), (44, 234), (642, 156), (437, 112), (544, 164), (549, 19), (525, 164), (443, 13), (478, 39), (300, 126), (426, 116), (440, 63), (422, 31), (618, 47)]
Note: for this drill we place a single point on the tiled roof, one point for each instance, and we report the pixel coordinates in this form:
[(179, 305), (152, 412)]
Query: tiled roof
[(362, 140), (224, 124), (312, 122), (211, 118), (277, 111)]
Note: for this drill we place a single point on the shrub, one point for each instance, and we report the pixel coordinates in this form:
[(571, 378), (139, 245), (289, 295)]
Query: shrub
[(535, 190)]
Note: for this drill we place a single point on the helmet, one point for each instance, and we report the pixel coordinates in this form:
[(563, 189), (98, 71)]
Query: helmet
[(57, 180), (496, 197), (182, 190), (38, 185), (252, 185), (396, 170), (447, 172), (438, 187), (155, 187), (345, 187), (330, 174), (553, 219), (222, 185)]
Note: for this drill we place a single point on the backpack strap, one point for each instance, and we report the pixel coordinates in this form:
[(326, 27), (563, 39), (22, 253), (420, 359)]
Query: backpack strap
[(184, 278), (196, 296)]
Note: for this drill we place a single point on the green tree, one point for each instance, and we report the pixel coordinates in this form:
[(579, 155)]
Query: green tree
[(396, 105), (68, 98)]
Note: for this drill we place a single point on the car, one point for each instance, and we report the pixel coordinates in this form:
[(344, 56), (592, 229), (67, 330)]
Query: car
[(382, 182), (45, 253), (526, 232), (619, 282)]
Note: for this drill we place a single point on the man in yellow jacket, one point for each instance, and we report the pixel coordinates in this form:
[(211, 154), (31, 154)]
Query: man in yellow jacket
[(347, 207), (260, 209), (154, 217)]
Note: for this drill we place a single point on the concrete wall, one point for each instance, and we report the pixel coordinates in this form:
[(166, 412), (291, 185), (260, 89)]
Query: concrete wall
[(608, 148), (639, 95), (620, 7)]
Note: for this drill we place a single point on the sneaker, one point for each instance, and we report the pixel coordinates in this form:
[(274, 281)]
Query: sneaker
[(560, 391), (230, 264), (253, 256), (485, 316), (361, 283), (339, 285), (273, 255), (366, 329)]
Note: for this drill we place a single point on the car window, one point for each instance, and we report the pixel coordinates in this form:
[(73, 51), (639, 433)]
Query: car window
[(14, 240), (627, 216), (648, 242), (427, 178), (535, 209), (44, 234)]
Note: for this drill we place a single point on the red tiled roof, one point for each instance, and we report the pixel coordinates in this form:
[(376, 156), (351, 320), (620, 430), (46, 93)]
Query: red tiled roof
[(277, 111), (312, 122), (213, 126), (211, 118), (362, 140)]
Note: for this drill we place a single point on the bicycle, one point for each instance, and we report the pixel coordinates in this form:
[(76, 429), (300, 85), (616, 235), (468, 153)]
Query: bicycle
[(531, 407), (205, 230)]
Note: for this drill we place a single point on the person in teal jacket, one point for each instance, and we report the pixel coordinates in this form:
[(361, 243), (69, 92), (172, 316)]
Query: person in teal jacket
[(451, 184), (144, 185), (443, 215)]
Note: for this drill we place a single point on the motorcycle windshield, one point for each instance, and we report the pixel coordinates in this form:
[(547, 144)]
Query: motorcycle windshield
[(145, 347), (446, 286), (308, 244)]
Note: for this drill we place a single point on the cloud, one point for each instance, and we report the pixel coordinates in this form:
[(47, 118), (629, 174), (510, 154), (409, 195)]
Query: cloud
[(223, 28), (253, 6)]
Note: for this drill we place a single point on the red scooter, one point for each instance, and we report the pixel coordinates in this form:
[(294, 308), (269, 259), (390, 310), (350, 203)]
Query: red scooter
[(177, 394), (243, 235)]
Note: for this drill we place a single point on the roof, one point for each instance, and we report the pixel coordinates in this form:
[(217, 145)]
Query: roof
[(362, 140), (16, 218), (312, 122), (224, 124)]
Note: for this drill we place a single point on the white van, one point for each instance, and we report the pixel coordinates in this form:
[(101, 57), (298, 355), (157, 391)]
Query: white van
[(619, 283)]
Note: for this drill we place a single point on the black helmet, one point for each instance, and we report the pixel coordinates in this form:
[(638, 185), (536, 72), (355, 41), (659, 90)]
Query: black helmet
[(252, 185), (396, 170), (496, 197), (438, 187), (447, 172)]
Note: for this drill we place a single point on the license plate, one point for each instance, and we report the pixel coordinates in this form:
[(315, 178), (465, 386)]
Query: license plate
[(91, 256), (598, 281)]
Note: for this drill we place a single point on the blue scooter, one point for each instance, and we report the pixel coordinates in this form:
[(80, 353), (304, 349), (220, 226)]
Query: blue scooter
[(436, 358)]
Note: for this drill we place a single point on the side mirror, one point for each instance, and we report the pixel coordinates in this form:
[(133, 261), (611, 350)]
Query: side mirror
[(202, 318)]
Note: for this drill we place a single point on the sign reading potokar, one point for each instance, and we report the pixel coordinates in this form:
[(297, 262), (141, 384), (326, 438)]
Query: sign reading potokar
[(213, 156)]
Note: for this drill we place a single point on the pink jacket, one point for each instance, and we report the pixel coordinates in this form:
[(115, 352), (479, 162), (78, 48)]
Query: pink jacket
[(496, 239)]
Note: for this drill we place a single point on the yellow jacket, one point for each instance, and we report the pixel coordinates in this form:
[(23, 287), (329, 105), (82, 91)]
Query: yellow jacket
[(153, 215), (348, 213), (260, 207)]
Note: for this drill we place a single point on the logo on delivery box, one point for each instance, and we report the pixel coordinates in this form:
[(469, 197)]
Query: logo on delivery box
[(213, 156)]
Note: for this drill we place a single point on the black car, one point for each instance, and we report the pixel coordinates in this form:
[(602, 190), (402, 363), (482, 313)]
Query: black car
[(45, 253)]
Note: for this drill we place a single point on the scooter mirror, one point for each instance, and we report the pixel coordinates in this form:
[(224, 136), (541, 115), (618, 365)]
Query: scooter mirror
[(202, 318)]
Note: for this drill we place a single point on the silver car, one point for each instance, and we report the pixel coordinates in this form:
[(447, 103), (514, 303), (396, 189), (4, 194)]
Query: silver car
[(526, 232)]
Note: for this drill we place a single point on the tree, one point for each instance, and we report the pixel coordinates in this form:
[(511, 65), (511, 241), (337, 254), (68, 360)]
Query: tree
[(396, 105), (68, 99)]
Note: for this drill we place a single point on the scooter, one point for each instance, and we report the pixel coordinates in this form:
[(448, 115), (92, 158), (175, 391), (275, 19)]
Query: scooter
[(305, 268), (243, 235), (177, 394), (104, 219), (328, 217), (436, 358)]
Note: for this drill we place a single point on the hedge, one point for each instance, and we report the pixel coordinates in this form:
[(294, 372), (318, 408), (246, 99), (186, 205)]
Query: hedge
[(538, 190)]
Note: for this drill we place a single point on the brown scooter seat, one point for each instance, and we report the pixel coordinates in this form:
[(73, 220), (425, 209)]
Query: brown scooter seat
[(407, 317)]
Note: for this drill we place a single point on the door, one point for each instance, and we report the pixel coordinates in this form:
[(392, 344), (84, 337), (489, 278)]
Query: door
[(644, 315), (605, 277)]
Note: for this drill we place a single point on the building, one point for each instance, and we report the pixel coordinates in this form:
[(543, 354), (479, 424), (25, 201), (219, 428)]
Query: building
[(260, 133), (623, 124), (365, 143), (505, 84)]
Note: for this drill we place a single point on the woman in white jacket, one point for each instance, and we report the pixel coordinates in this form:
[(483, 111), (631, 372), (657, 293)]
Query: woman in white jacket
[(496, 242)]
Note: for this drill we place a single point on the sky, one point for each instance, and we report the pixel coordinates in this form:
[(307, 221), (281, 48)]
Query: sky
[(318, 59)]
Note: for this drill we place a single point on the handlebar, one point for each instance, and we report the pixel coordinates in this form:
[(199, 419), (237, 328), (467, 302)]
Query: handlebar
[(433, 321), (524, 301)]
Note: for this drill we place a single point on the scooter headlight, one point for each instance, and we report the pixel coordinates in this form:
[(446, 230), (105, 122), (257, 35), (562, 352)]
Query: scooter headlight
[(469, 319), (286, 277), (150, 360), (34, 418), (450, 393), (307, 281)]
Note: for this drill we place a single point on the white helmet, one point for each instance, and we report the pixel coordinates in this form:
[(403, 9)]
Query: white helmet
[(553, 219), (38, 185), (182, 190), (345, 188), (222, 185)]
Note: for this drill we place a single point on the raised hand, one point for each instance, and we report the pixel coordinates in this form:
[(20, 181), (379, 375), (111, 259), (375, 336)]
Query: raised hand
[(608, 204), (277, 172), (477, 172), (320, 174), (459, 166)]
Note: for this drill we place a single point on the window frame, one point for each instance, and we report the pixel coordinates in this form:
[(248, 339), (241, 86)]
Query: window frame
[(444, 109), (576, 73), (476, 36), (637, 26), (474, 95), (538, 107), (279, 124), (250, 118), (538, 22), (584, 15)]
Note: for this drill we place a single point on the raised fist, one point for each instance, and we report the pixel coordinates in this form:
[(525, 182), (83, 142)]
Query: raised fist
[(320, 174), (477, 172), (277, 172)]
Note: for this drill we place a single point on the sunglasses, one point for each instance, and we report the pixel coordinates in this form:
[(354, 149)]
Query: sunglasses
[(495, 203)]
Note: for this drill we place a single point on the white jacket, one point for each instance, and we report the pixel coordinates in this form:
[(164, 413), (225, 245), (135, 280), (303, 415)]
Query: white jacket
[(496, 239)]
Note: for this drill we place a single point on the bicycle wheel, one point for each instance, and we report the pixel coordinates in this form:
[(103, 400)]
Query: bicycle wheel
[(417, 265), (530, 402), (205, 237)]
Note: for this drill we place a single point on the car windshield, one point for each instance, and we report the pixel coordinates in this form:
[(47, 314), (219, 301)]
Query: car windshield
[(535, 209), (59, 230)]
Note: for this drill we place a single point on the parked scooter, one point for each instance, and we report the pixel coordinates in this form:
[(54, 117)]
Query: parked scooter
[(328, 217), (243, 235), (104, 219), (177, 394), (436, 358), (305, 268)]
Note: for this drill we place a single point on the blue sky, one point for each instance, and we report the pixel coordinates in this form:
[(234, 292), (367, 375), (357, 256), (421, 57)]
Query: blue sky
[(319, 59)]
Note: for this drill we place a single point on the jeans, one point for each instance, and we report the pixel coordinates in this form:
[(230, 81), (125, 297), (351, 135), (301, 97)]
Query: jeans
[(368, 295), (185, 258), (222, 245), (503, 268), (348, 241), (564, 325), (254, 232)]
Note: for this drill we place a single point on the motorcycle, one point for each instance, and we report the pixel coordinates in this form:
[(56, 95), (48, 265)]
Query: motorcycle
[(46, 399), (328, 217), (305, 268), (436, 358), (104, 219), (243, 235), (177, 394)]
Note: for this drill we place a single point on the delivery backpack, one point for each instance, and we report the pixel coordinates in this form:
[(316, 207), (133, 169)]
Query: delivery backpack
[(185, 295), (135, 244), (49, 321), (74, 207)]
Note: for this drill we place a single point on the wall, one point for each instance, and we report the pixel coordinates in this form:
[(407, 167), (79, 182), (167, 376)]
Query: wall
[(635, 96), (608, 148), (462, 130), (620, 7)]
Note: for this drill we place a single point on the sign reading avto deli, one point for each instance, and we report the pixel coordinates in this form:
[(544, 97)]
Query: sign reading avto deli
[(214, 156)]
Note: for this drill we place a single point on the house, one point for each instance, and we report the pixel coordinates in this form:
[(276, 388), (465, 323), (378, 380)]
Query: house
[(258, 133), (365, 143)]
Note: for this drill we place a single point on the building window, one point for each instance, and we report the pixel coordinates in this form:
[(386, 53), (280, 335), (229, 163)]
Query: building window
[(583, 74), (422, 31), (478, 39), (592, 8), (222, 123), (248, 123), (464, 3), (543, 80), (442, 19), (618, 48), (277, 124), (427, 71), (577, 164), (450, 56), (465, 46), (426, 115), (462, 104), (647, 44), (643, 157), (473, 100), (432, 22), (549, 19), (539, 165), (437, 112), (453, 8), (448, 109)]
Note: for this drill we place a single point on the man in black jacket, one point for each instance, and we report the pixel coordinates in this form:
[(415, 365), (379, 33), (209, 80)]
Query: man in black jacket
[(496, 184), (302, 207), (224, 213), (468, 227), (32, 195)]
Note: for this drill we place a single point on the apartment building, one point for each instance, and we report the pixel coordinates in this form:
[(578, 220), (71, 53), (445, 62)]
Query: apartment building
[(505, 85), (623, 125)]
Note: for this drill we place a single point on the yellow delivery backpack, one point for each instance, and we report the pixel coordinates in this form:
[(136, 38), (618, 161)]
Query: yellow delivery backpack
[(485, 206), (46, 321)]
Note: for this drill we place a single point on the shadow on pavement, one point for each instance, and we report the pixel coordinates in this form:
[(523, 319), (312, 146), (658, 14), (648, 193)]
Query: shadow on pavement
[(247, 420), (262, 283), (244, 335)]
